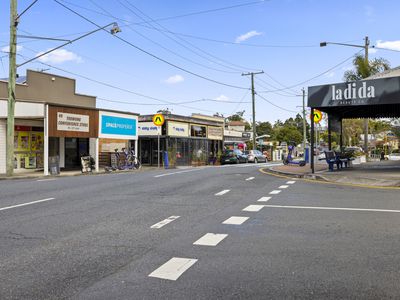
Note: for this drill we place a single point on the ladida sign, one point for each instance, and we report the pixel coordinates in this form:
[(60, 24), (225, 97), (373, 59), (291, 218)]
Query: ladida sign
[(366, 92)]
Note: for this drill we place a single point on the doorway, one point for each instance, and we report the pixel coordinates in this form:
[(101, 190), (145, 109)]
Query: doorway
[(74, 149)]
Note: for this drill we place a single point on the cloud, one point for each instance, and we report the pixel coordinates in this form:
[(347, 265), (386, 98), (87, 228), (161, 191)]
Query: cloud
[(174, 79), (59, 56), (246, 36), (393, 45), (222, 98), (372, 50), (6, 49)]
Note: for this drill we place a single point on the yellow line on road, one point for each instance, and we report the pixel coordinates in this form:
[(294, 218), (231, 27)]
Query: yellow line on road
[(262, 170)]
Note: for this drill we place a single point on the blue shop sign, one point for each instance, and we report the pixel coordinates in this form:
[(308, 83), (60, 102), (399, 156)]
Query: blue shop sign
[(118, 125)]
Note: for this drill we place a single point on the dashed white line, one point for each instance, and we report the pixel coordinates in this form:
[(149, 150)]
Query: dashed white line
[(264, 199), (253, 208), (334, 208), (283, 187), (179, 172), (173, 268), (50, 179), (28, 203), (210, 239), (235, 220), (274, 192), (164, 222), (250, 178), (291, 182), (222, 192)]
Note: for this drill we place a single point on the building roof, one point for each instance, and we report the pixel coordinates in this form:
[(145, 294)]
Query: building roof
[(389, 73), (19, 79), (236, 123)]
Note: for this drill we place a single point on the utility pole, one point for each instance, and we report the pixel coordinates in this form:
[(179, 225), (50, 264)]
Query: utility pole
[(253, 93), (11, 88), (366, 120), (304, 122)]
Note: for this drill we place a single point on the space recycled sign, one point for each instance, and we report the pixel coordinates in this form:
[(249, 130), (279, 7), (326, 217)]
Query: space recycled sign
[(118, 126), (366, 92)]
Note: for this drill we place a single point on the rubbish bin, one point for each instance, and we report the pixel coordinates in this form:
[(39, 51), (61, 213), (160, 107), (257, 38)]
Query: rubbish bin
[(54, 165)]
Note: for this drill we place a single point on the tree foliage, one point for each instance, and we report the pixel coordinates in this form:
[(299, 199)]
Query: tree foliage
[(364, 69)]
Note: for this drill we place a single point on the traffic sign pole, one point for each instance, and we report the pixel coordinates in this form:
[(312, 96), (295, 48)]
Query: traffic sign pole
[(158, 120)]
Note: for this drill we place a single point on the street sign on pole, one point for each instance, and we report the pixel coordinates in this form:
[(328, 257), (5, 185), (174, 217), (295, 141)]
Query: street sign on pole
[(158, 120), (317, 116)]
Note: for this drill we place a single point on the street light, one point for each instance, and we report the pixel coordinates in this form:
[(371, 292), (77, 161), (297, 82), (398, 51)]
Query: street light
[(365, 47), (14, 20)]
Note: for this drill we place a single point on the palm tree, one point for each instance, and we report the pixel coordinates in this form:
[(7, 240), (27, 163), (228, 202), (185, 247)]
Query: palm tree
[(364, 68)]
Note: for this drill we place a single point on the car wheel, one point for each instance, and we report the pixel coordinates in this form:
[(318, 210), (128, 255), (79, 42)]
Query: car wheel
[(256, 161), (237, 160)]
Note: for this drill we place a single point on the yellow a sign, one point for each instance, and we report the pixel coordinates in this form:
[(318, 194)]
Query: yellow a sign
[(158, 119), (317, 116)]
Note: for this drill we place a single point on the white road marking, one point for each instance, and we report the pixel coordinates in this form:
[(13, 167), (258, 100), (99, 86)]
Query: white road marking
[(250, 178), (210, 239), (235, 220), (173, 268), (274, 192), (222, 193), (28, 203), (179, 172), (263, 199), (283, 187), (164, 222), (253, 208), (334, 208), (291, 182), (50, 179)]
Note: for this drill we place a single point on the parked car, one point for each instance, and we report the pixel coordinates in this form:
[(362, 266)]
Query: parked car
[(394, 156), (255, 156), (233, 157)]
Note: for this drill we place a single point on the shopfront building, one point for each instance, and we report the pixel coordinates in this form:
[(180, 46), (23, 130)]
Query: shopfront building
[(195, 140)]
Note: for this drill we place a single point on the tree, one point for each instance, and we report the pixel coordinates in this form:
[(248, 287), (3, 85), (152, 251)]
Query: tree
[(288, 134), (364, 69), (263, 128), (238, 116)]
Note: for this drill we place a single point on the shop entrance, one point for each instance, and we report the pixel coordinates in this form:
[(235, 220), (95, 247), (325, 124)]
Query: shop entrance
[(74, 149)]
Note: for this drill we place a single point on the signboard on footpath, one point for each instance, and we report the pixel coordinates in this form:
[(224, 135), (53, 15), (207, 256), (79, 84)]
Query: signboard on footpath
[(117, 126), (72, 122), (149, 129)]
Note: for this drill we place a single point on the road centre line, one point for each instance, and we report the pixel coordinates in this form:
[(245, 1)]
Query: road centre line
[(283, 187), (222, 192), (210, 239), (291, 182), (275, 192), (235, 220), (264, 199), (250, 178), (25, 204), (164, 222), (50, 179), (253, 208), (174, 173), (173, 268), (334, 208)]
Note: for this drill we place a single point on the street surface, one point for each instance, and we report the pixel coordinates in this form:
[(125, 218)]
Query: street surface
[(227, 232)]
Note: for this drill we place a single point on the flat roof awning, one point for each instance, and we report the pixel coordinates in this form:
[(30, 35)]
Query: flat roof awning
[(373, 98)]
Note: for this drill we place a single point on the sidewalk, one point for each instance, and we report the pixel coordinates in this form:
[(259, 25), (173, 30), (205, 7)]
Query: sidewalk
[(379, 174)]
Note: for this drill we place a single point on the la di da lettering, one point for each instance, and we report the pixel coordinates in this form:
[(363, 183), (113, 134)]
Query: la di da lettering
[(351, 92)]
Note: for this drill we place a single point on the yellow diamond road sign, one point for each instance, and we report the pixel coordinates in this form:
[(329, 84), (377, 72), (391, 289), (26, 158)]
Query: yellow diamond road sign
[(158, 119), (317, 117)]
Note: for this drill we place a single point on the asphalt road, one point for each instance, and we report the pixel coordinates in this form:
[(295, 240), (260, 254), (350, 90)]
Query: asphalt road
[(161, 235)]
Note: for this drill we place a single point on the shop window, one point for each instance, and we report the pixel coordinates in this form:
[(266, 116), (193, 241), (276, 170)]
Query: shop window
[(198, 131), (28, 147)]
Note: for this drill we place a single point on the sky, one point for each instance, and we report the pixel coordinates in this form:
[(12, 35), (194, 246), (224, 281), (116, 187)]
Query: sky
[(189, 56)]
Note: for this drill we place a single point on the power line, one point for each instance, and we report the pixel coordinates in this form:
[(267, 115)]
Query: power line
[(285, 109), (287, 94), (153, 55)]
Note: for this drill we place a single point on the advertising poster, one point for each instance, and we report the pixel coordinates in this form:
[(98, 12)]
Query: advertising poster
[(24, 144), (37, 141)]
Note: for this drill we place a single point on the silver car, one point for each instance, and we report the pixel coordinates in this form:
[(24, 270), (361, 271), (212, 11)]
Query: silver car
[(255, 156)]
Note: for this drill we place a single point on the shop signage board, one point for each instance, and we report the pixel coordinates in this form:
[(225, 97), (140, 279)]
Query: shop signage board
[(178, 129), (365, 92), (72, 122), (149, 129), (198, 130), (117, 126), (215, 133)]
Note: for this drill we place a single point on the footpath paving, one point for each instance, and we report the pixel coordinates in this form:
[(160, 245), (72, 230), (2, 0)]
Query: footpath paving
[(378, 174)]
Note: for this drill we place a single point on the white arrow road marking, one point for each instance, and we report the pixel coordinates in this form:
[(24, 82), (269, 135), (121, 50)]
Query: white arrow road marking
[(173, 268), (291, 182), (235, 220), (264, 199), (210, 239), (334, 208), (28, 203), (250, 178), (164, 222), (274, 192), (283, 187), (253, 208), (222, 193)]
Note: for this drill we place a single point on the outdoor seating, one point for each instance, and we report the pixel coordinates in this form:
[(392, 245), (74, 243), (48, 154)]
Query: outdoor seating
[(344, 158), (331, 159)]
